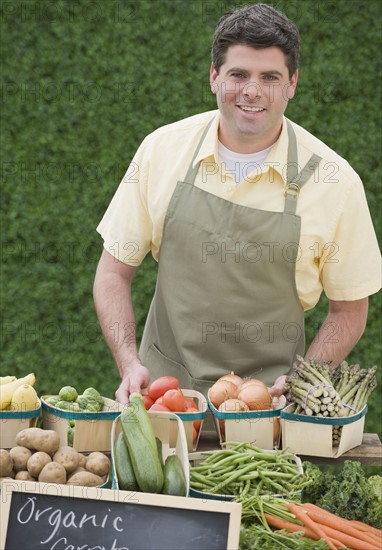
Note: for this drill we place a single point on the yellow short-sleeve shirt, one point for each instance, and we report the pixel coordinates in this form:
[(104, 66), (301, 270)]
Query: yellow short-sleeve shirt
[(338, 251)]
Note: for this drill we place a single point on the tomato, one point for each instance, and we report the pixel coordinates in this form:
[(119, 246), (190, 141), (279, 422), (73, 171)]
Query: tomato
[(196, 423), (189, 403), (194, 435), (147, 401), (174, 400), (157, 407), (161, 385), (159, 400)]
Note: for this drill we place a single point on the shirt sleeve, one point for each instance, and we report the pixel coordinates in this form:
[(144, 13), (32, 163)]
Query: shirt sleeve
[(351, 264), (126, 227)]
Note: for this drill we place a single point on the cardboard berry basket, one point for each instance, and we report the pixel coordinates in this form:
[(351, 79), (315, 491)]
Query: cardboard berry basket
[(166, 425), (196, 458), (249, 426), (313, 435), (12, 422), (189, 418), (92, 429)]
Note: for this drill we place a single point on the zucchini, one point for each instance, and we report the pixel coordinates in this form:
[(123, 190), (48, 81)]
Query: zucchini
[(123, 467), (160, 451), (139, 437), (139, 413), (174, 478)]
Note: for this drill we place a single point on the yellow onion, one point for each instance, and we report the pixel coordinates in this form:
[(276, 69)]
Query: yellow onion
[(251, 381), (233, 405), (232, 377), (221, 391), (256, 396)]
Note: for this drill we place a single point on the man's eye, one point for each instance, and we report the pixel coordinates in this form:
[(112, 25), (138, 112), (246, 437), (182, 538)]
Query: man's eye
[(238, 75), (270, 77)]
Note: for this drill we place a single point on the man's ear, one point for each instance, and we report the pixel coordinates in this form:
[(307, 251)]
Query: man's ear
[(213, 77), (292, 84)]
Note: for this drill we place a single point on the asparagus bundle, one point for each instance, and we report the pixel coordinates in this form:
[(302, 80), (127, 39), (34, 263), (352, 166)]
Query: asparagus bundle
[(324, 391)]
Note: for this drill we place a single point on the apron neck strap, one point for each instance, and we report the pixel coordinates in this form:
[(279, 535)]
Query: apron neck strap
[(295, 179), (193, 170)]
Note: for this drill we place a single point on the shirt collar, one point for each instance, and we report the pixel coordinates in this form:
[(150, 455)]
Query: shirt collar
[(275, 160)]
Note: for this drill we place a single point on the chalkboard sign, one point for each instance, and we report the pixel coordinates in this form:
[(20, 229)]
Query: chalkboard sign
[(42, 516)]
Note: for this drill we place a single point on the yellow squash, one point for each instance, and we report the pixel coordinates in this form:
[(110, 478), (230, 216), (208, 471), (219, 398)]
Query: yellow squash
[(7, 390), (25, 398)]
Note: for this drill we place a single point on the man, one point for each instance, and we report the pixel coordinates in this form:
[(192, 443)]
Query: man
[(250, 217)]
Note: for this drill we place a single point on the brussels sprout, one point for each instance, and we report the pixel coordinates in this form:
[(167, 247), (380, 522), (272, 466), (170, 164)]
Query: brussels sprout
[(92, 407), (92, 393), (68, 406), (93, 396), (52, 400), (70, 435), (68, 393), (82, 400)]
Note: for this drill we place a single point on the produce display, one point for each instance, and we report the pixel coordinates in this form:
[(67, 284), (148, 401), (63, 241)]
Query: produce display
[(18, 394), (138, 455), (323, 391), (38, 456), (285, 503), (241, 469)]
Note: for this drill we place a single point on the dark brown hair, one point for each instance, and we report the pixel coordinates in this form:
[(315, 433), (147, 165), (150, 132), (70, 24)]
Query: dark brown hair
[(258, 26)]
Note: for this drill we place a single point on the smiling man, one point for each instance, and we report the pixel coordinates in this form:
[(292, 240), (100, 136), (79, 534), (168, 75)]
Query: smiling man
[(250, 218), (252, 88)]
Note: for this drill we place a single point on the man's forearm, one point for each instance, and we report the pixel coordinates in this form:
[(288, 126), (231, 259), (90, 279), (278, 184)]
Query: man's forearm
[(112, 297), (340, 331)]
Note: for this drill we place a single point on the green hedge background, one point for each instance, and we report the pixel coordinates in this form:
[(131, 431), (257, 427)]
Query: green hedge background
[(82, 83)]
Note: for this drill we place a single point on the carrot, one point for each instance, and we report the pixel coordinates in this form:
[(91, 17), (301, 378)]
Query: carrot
[(279, 523), (352, 542), (301, 514), (365, 527), (338, 523), (361, 527)]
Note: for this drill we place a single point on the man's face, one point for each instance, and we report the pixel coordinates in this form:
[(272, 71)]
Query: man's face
[(252, 91)]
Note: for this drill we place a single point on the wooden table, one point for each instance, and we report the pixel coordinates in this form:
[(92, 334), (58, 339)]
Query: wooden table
[(369, 453)]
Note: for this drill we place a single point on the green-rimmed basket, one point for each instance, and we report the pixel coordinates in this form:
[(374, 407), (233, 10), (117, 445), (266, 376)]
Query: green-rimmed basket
[(12, 422), (198, 457), (91, 430), (259, 427), (313, 435)]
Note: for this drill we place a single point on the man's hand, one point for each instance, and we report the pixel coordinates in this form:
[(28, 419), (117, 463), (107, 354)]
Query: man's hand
[(135, 378), (278, 387)]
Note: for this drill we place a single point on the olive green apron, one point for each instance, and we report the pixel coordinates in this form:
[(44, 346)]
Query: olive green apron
[(226, 297)]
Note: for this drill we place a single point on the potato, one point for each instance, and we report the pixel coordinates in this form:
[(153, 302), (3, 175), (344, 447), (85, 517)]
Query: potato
[(87, 479), (98, 463), (36, 462), (24, 475), (6, 463), (38, 439), (78, 469), (68, 457), (20, 456), (53, 473), (82, 461)]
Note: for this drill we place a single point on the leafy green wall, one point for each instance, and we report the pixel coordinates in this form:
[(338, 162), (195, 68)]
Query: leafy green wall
[(82, 83)]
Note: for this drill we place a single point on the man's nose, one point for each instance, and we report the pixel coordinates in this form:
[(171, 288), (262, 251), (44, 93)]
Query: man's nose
[(252, 91)]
